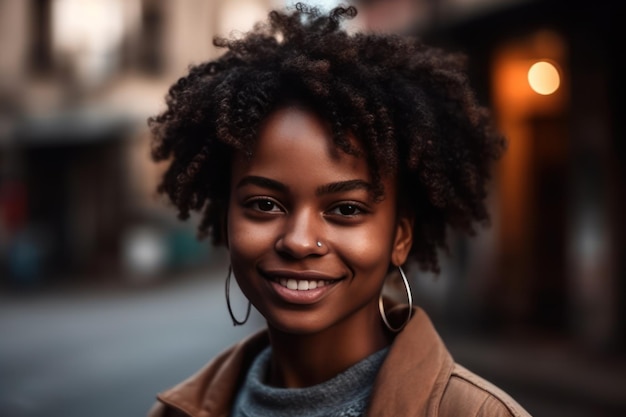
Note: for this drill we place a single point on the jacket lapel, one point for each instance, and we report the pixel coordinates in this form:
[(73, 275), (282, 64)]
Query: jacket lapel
[(211, 391), (415, 373)]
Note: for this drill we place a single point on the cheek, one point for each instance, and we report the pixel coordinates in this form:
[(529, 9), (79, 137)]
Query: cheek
[(368, 249), (243, 249), (247, 240), (240, 240)]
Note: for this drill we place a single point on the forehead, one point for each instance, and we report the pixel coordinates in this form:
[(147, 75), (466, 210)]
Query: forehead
[(297, 119), (295, 148), (295, 139)]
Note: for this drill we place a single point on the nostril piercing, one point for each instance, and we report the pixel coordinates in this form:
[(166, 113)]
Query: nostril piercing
[(319, 244)]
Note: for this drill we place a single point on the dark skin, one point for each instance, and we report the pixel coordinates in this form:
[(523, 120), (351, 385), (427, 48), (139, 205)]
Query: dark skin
[(320, 302)]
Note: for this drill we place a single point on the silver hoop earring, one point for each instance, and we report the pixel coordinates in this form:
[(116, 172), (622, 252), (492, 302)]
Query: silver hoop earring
[(230, 310), (381, 307)]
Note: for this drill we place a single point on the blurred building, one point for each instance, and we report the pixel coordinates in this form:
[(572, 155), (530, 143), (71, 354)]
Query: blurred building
[(560, 188), (78, 78), (552, 262)]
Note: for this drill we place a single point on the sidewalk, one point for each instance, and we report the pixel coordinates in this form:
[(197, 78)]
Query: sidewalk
[(549, 379)]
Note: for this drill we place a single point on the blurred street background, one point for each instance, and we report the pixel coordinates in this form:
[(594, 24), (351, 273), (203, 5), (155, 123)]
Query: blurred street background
[(106, 298)]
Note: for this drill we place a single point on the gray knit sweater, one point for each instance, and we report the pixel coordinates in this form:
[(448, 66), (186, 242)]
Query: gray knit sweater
[(345, 395)]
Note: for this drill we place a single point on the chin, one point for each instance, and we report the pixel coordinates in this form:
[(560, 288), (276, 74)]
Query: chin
[(297, 323)]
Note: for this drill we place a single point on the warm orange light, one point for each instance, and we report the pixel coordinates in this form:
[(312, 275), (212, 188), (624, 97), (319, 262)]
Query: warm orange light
[(544, 78)]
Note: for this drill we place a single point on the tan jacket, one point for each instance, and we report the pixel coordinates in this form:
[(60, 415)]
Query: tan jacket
[(418, 378)]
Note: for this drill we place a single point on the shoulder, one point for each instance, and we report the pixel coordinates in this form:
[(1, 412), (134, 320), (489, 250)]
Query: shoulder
[(160, 410), (467, 394), (209, 392)]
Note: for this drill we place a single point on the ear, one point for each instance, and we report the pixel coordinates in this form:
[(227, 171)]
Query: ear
[(403, 240)]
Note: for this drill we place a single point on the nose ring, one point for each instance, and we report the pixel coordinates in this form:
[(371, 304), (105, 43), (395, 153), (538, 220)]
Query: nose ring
[(319, 244)]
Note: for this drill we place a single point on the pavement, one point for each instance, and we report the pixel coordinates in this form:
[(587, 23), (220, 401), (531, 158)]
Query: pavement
[(107, 351), (548, 378)]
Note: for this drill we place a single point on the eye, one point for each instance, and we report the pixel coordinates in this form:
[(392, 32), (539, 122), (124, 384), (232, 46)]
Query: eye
[(264, 204), (347, 210)]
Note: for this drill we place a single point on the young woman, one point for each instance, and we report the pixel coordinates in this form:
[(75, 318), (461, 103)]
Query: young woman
[(325, 162)]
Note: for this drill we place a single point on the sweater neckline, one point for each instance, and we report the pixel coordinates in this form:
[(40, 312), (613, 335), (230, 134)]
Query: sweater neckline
[(345, 394)]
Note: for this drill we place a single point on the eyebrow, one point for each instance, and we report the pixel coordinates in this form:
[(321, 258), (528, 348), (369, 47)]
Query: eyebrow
[(262, 182), (343, 186), (331, 188)]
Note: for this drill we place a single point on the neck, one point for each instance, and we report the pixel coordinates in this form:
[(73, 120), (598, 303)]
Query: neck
[(302, 360)]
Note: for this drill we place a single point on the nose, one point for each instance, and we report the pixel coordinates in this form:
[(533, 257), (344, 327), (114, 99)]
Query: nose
[(301, 235)]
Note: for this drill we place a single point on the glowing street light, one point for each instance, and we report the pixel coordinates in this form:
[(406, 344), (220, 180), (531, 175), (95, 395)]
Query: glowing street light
[(544, 78)]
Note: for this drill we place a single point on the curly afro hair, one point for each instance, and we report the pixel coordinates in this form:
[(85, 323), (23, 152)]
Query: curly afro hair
[(410, 106)]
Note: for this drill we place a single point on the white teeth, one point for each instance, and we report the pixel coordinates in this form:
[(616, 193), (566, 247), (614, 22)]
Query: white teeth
[(301, 285)]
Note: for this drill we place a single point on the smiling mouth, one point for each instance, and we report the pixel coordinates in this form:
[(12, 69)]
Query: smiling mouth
[(301, 284), (299, 280)]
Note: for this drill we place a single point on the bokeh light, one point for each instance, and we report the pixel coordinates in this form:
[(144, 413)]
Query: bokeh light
[(544, 78)]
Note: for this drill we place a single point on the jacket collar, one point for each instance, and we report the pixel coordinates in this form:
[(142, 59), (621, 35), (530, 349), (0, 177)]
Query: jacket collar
[(415, 373), (211, 391), (411, 381)]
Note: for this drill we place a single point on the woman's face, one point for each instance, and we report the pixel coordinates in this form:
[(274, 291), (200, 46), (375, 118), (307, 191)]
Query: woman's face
[(295, 191)]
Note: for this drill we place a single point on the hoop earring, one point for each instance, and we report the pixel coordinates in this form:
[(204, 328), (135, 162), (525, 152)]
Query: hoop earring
[(230, 310), (381, 307)]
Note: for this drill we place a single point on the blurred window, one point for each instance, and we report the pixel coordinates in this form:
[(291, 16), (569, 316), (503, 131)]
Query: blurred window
[(87, 36)]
